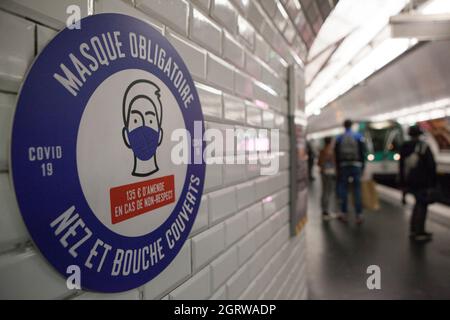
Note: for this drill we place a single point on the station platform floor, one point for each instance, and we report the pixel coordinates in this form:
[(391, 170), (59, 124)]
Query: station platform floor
[(339, 254)]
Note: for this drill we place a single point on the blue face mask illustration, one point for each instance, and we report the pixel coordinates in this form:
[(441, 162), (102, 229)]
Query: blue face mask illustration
[(143, 141)]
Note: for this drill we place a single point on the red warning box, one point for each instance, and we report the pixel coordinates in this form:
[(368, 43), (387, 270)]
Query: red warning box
[(134, 199)]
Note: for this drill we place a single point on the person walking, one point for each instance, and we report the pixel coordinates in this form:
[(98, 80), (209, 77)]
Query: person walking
[(350, 162), (418, 176), (327, 167)]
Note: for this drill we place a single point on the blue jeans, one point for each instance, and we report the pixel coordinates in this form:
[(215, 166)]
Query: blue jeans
[(344, 175)]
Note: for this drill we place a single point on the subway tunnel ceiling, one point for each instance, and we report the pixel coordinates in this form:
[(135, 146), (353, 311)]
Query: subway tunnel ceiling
[(416, 78), (299, 21), (356, 68)]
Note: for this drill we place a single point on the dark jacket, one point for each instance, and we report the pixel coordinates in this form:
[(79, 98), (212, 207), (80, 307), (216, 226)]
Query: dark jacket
[(361, 147), (327, 161), (425, 176)]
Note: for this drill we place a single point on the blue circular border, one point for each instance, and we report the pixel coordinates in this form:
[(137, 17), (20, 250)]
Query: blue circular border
[(48, 115)]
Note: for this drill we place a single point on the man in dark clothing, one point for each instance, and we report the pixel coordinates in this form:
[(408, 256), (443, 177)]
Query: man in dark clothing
[(311, 157), (350, 161), (418, 177), (327, 167)]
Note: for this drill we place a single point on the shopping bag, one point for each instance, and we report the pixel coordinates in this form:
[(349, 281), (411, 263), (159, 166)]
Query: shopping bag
[(369, 195)]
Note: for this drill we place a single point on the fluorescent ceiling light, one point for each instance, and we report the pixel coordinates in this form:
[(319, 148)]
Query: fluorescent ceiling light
[(412, 114), (325, 133), (367, 23), (435, 7), (386, 51)]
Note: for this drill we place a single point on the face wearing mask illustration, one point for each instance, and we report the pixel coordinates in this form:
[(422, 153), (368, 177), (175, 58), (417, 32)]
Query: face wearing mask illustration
[(142, 131)]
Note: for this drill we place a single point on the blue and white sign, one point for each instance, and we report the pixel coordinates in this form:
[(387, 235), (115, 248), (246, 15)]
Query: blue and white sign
[(91, 152)]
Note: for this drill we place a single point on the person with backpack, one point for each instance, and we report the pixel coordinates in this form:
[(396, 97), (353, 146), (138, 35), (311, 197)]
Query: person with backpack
[(327, 167), (350, 163), (418, 176)]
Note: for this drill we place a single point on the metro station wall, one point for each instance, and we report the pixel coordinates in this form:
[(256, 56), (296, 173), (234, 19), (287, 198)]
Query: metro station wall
[(240, 245)]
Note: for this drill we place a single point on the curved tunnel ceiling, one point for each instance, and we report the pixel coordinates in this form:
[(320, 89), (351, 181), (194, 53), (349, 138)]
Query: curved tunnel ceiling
[(299, 21), (418, 77), (352, 31)]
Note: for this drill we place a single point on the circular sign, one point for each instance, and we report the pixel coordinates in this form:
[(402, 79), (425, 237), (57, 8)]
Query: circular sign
[(97, 124)]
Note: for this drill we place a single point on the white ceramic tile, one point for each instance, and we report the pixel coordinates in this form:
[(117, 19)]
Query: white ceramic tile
[(269, 206), (284, 161), (255, 215), (233, 51), (172, 12), (268, 119), (220, 294), (214, 176), (245, 194), (222, 203), (252, 66), (220, 73), (7, 102), (201, 221), (279, 219), (235, 228), (283, 105), (256, 263), (242, 5), (220, 146), (26, 275), (261, 93), (238, 223), (262, 187), (207, 245), (243, 85), (269, 32), (281, 122), (282, 236), (196, 288), (251, 292), (246, 31), (262, 49), (246, 247), (275, 202), (193, 56), (278, 65), (44, 35), (254, 16), (263, 233), (269, 6), (128, 295), (284, 141), (224, 12), (234, 172), (237, 283), (234, 108), (177, 272), (12, 227), (279, 20), (205, 32), (204, 4), (48, 12), (254, 116), (253, 168), (126, 7), (211, 100), (223, 267), (16, 52)]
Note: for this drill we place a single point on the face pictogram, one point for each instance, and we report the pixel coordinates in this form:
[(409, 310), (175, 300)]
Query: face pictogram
[(142, 132)]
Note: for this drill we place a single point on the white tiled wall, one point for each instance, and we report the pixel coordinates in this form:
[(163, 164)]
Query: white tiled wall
[(240, 245)]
